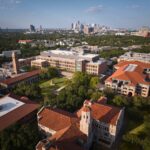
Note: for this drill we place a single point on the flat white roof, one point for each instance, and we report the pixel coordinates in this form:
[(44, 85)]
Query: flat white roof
[(21, 59), (87, 55), (38, 60), (8, 104), (63, 52), (70, 53)]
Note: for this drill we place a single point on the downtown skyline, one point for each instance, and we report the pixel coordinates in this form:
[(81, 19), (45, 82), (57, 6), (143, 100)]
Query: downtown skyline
[(61, 13)]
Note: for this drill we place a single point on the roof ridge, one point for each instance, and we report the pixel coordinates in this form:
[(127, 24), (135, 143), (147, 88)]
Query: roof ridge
[(59, 134)]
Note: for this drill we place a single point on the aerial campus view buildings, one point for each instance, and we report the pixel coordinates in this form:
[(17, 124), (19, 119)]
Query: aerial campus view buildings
[(84, 87), (94, 121)]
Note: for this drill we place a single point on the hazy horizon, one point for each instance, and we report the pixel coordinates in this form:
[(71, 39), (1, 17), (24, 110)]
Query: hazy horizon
[(19, 14)]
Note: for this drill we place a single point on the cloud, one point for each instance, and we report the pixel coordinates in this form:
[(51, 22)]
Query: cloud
[(7, 4), (95, 9)]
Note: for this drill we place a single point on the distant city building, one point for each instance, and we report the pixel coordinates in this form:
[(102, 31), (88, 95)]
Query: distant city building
[(8, 54), (88, 28), (45, 43), (131, 78), (144, 32), (72, 26), (133, 56), (32, 28), (41, 29), (120, 33), (133, 47), (15, 109), (72, 61), (24, 41), (94, 122), (86, 48)]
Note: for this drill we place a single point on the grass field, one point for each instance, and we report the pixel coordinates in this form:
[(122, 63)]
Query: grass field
[(138, 129), (52, 85)]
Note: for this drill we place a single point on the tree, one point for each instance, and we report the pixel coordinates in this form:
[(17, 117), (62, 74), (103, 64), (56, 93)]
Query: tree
[(132, 138), (19, 136), (109, 93), (146, 143), (94, 82), (120, 101), (49, 73), (32, 91), (96, 95)]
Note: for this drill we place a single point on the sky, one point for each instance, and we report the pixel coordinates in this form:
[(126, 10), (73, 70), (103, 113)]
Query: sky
[(61, 13)]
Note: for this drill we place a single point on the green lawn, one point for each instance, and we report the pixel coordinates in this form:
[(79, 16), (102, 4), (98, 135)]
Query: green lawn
[(52, 85), (138, 129)]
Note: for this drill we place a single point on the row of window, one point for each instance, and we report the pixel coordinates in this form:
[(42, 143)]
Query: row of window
[(101, 127)]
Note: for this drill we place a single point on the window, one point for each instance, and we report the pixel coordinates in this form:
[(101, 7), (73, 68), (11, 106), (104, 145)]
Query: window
[(106, 128), (106, 134)]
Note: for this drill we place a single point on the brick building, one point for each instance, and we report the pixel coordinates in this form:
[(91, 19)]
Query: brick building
[(72, 61), (131, 78), (94, 122), (15, 109)]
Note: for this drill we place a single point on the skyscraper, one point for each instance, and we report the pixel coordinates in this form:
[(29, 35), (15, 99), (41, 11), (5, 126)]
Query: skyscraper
[(32, 28), (72, 26)]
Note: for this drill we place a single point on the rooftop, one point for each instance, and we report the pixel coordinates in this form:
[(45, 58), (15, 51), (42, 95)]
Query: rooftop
[(102, 112), (15, 108), (39, 60), (145, 57), (69, 54), (21, 77), (8, 104), (67, 125), (130, 67), (65, 139), (49, 116), (132, 71)]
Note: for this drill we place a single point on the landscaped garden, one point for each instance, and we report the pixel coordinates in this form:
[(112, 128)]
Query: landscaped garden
[(52, 85)]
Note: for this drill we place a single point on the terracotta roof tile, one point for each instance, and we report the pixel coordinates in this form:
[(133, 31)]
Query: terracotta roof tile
[(136, 76), (104, 113), (141, 64), (21, 77), (49, 117), (17, 114), (66, 139), (86, 109)]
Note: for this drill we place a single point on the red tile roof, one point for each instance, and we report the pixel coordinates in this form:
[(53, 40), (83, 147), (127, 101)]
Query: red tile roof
[(141, 64), (19, 113), (86, 109), (22, 77), (27, 41), (56, 119), (67, 127), (136, 76), (104, 113), (66, 139)]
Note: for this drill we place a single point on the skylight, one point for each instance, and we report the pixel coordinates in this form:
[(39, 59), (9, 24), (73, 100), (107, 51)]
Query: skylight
[(130, 68)]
